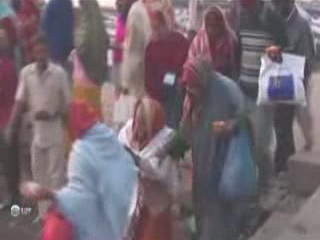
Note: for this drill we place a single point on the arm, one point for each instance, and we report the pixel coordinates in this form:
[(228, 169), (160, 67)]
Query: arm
[(236, 114), (15, 118), (307, 48), (36, 192)]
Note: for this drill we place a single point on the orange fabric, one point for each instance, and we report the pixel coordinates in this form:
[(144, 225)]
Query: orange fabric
[(56, 227), (154, 227)]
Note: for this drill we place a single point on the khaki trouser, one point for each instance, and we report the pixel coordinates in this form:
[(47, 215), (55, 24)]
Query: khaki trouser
[(25, 141), (261, 118), (48, 169)]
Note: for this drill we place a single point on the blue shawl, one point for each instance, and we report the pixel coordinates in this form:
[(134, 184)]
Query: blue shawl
[(102, 178), (57, 25)]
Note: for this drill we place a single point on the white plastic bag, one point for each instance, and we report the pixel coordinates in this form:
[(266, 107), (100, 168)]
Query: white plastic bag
[(282, 83)]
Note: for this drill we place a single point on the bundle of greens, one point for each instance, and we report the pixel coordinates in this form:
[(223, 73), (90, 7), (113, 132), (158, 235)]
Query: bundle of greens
[(178, 147)]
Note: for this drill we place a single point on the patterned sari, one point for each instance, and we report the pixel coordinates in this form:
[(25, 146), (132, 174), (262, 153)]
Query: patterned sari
[(159, 173), (89, 59)]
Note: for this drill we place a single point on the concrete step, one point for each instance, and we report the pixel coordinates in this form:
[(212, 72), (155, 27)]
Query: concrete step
[(304, 173), (274, 226), (306, 224)]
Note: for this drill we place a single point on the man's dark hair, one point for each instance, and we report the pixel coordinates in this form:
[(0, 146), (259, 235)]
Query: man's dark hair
[(40, 39)]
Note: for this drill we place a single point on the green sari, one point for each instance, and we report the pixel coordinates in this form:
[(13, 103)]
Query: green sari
[(93, 42)]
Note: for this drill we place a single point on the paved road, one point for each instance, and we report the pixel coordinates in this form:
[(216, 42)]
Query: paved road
[(20, 228)]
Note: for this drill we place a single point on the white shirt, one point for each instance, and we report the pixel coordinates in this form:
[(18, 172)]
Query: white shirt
[(49, 92)]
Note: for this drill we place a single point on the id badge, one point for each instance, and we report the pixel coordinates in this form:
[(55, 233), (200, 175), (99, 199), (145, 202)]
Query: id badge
[(169, 79)]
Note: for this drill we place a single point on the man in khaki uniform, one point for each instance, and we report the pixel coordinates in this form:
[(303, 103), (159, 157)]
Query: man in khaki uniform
[(45, 92)]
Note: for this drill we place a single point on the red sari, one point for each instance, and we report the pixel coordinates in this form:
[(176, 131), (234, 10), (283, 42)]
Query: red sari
[(56, 227), (8, 25), (8, 86), (165, 54)]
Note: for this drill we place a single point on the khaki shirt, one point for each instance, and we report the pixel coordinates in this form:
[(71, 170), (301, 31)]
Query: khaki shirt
[(50, 92)]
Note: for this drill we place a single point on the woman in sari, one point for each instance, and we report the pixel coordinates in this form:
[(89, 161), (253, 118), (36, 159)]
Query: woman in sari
[(101, 196), (160, 64), (89, 59), (8, 86), (213, 99), (147, 136), (138, 35), (217, 42), (28, 19)]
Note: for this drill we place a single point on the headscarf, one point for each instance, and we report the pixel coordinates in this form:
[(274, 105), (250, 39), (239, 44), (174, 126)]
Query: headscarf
[(152, 115), (93, 46), (81, 117), (165, 6), (222, 52), (195, 74)]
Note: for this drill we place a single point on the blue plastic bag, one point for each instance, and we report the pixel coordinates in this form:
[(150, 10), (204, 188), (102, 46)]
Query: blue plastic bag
[(238, 180)]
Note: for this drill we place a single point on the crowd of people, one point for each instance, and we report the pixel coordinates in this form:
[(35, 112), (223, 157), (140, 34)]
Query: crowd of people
[(192, 91)]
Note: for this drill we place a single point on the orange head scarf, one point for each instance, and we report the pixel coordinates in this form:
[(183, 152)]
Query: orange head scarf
[(82, 116), (148, 119)]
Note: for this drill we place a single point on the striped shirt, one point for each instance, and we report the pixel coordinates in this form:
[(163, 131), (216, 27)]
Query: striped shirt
[(253, 44)]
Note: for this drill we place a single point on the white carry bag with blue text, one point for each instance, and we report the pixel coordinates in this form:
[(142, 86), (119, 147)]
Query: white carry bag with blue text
[(282, 82)]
